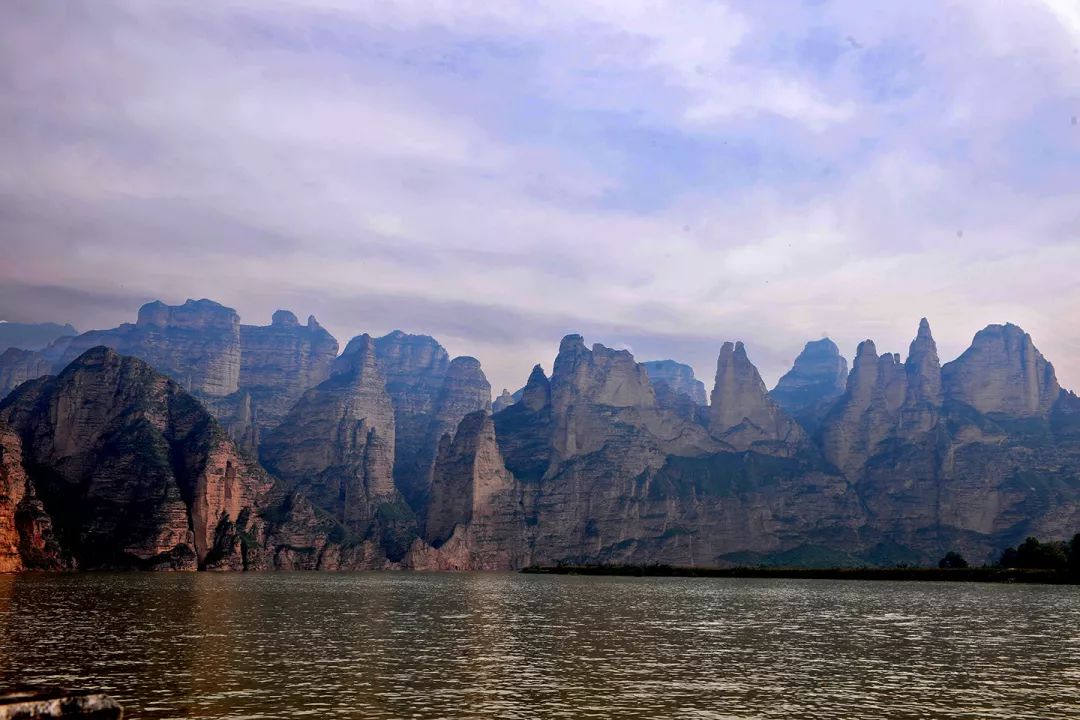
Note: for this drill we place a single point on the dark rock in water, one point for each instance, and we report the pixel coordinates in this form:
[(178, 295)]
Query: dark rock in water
[(32, 336), (54, 703), (817, 378)]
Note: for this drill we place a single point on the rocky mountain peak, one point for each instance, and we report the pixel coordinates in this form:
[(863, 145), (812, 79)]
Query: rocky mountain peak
[(505, 400), (159, 484), (537, 393), (192, 315), (817, 377), (1002, 372), (923, 368), (284, 318), (741, 412), (600, 376)]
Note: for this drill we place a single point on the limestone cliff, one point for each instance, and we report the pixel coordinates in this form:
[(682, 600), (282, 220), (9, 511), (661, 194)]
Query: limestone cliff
[(505, 400), (1002, 373), (125, 467), (742, 414), (475, 519), (278, 363), (337, 445), (679, 378), (197, 344)]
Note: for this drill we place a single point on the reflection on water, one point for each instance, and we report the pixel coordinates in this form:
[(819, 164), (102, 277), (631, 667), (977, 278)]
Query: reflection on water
[(397, 645)]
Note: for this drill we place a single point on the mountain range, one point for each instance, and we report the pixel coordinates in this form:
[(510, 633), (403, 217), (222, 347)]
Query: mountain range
[(187, 440)]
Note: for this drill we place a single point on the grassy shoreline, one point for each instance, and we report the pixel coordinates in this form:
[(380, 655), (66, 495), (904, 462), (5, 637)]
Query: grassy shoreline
[(978, 574)]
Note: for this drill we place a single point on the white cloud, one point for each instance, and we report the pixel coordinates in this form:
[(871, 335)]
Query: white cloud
[(658, 174)]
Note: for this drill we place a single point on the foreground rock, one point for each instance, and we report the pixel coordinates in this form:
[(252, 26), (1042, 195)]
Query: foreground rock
[(126, 468), (38, 703)]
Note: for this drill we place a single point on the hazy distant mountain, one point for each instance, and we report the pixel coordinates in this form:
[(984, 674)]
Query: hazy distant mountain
[(31, 336)]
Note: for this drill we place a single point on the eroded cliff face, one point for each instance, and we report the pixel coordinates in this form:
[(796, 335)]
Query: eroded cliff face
[(127, 469), (475, 519), (742, 414), (337, 446), (279, 362), (679, 378), (1002, 373), (431, 394), (197, 344), (394, 460)]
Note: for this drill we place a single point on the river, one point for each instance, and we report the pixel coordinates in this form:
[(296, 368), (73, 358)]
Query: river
[(415, 645)]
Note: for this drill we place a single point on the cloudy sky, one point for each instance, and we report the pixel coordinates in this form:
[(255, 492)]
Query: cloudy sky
[(656, 175)]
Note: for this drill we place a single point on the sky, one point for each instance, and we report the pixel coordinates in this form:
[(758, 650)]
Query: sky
[(657, 175)]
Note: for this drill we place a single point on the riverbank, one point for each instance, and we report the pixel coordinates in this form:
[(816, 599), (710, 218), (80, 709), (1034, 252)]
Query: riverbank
[(978, 574)]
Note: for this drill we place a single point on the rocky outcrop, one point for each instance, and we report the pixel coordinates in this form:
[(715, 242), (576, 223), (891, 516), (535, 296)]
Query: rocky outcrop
[(32, 336), (817, 378), (337, 443), (17, 366), (126, 468), (278, 363), (474, 516), (1002, 373), (505, 400), (430, 394), (677, 377), (742, 414), (197, 344)]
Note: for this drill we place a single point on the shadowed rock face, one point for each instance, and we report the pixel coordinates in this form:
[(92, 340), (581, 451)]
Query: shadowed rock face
[(127, 469), (817, 378), (1002, 373), (430, 395), (741, 412), (337, 443)]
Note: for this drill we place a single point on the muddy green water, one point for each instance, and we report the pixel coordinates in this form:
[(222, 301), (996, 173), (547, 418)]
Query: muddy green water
[(400, 645)]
